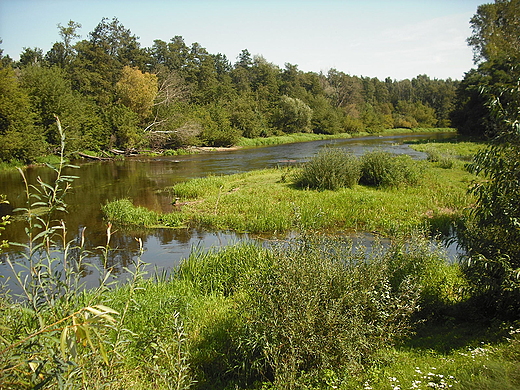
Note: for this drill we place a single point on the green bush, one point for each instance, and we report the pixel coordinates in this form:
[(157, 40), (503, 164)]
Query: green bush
[(383, 169), (445, 159), (322, 306), (330, 169)]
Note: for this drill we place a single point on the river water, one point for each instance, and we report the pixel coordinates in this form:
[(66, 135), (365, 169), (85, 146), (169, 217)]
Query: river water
[(141, 179)]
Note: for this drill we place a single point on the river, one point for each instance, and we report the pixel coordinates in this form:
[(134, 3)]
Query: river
[(141, 179)]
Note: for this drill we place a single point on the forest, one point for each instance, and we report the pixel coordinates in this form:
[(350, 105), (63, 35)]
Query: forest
[(111, 93)]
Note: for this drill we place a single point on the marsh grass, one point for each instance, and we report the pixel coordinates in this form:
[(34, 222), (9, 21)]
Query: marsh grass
[(383, 169), (123, 212), (238, 202), (330, 169)]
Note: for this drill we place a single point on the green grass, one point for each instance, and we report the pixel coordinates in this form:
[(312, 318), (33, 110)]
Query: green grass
[(303, 137), (267, 201), (123, 212), (208, 289)]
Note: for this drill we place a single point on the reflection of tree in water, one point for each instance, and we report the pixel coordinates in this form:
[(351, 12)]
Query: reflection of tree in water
[(166, 236), (123, 250)]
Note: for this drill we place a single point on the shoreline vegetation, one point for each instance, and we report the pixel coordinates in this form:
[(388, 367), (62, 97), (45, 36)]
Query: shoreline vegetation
[(242, 143), (268, 201), (313, 311)]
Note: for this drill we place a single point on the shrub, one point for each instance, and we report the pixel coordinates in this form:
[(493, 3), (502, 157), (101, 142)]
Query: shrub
[(445, 159), (322, 306), (383, 169), (330, 169)]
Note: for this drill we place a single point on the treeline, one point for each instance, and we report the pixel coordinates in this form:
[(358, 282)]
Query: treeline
[(109, 92)]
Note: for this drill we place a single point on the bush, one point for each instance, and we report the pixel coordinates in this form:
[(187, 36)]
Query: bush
[(445, 159), (322, 306), (383, 169), (330, 169)]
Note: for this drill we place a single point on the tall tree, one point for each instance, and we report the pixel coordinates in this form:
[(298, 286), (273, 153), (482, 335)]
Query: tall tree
[(61, 53), (137, 91), (491, 233), (496, 30), (496, 46), (20, 139)]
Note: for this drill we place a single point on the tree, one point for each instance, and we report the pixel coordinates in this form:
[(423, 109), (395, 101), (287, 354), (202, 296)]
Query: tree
[(137, 91), (19, 138), (496, 31), (293, 116), (62, 53), (496, 46), (4, 60), (51, 94), (99, 61), (491, 232), (31, 56)]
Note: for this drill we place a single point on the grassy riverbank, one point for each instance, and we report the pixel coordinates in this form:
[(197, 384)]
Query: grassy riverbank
[(304, 137), (243, 142), (224, 320), (267, 201)]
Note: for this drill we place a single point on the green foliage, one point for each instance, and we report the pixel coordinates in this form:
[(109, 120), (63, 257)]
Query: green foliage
[(491, 231), (124, 126), (51, 94), (216, 127), (20, 139), (292, 115), (123, 212), (330, 169), (48, 334), (322, 306), (382, 169), (183, 95)]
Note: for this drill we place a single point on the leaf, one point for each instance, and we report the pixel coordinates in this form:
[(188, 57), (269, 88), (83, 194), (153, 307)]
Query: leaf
[(106, 309), (63, 342)]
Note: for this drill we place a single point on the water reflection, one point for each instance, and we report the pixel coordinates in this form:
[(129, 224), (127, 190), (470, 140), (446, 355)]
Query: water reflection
[(141, 179)]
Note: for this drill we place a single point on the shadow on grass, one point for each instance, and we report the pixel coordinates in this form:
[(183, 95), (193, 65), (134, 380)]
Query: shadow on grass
[(459, 328)]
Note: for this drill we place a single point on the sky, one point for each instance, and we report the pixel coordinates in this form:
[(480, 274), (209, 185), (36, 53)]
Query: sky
[(400, 39)]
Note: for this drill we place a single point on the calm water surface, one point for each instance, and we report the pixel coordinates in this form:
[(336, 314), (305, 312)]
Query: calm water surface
[(140, 179)]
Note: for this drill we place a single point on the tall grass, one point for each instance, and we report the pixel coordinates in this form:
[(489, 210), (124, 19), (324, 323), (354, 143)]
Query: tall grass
[(383, 169), (330, 169), (242, 204)]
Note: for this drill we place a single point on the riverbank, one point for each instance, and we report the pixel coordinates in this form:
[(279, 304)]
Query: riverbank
[(314, 312), (87, 155), (305, 137), (267, 201)]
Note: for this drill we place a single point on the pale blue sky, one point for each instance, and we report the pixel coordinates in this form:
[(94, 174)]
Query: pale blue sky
[(376, 38)]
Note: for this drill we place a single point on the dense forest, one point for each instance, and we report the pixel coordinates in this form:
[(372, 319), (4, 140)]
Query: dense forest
[(110, 92)]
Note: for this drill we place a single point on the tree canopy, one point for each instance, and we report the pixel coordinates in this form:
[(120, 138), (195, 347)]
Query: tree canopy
[(111, 92)]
